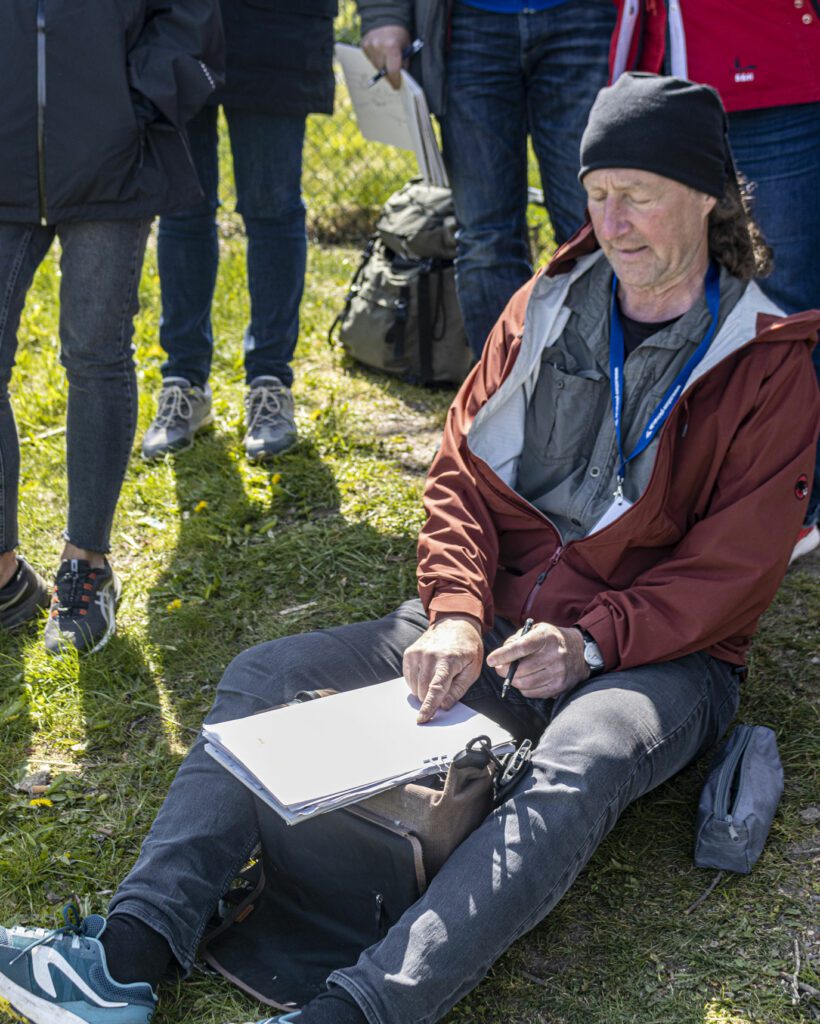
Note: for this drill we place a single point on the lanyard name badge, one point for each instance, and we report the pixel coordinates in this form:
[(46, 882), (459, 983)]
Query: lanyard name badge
[(667, 402)]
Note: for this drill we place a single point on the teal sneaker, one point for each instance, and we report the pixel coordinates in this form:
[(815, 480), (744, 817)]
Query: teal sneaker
[(61, 977)]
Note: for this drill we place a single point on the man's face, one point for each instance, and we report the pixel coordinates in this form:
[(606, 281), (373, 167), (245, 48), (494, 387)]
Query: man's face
[(652, 230)]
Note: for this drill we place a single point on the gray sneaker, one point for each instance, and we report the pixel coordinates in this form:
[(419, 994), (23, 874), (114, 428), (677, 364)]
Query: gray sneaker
[(269, 415), (23, 597), (182, 410)]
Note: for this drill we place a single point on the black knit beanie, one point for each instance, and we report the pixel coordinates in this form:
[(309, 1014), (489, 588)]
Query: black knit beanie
[(663, 124)]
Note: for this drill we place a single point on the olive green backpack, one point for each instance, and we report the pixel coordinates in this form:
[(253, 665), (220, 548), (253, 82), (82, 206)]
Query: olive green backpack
[(401, 312)]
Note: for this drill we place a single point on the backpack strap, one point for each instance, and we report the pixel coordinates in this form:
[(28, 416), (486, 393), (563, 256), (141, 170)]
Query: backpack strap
[(396, 333), (354, 287), (425, 329)]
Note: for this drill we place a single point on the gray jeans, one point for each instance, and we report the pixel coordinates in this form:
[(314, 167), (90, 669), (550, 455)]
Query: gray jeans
[(611, 740), (101, 263)]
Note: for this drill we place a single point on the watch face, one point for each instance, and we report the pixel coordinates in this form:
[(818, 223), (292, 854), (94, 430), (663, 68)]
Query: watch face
[(592, 655)]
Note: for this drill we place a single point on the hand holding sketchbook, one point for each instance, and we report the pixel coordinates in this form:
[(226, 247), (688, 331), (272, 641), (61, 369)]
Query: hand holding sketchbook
[(398, 117), (305, 759)]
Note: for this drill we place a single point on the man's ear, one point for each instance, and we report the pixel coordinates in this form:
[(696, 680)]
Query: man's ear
[(709, 202)]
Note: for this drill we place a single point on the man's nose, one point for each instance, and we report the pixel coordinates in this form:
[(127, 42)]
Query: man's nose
[(614, 221)]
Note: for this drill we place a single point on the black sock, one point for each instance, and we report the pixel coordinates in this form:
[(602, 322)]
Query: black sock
[(332, 1007), (134, 951)]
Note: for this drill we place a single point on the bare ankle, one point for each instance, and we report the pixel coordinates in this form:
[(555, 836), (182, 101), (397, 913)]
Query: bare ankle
[(96, 559), (8, 566)]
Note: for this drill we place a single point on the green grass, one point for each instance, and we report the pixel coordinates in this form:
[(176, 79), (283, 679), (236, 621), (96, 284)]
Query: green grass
[(217, 555)]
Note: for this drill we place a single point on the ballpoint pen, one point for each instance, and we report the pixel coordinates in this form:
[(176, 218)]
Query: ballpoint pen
[(513, 668), (406, 54)]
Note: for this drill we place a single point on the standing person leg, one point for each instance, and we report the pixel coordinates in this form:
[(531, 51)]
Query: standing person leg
[(267, 157), (566, 50), (778, 149), (188, 260), (613, 739), (484, 137), (101, 265), (22, 592)]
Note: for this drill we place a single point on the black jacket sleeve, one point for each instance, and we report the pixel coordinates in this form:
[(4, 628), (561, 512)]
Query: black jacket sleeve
[(178, 59), (375, 13)]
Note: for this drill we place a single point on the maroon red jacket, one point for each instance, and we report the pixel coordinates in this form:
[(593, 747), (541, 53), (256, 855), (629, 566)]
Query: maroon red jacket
[(699, 556)]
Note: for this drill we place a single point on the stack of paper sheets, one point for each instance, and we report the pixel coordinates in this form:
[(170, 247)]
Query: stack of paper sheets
[(398, 117), (305, 759)]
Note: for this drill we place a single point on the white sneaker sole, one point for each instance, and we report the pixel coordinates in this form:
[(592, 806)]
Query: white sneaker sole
[(22, 1005)]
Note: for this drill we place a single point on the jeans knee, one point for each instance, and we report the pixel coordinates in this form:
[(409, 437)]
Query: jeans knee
[(258, 678), (199, 224)]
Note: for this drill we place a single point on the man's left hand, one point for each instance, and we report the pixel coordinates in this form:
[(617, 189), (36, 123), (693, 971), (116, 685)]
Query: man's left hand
[(551, 660)]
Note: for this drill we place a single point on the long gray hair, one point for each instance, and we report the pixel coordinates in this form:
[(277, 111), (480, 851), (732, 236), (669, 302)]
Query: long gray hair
[(735, 240)]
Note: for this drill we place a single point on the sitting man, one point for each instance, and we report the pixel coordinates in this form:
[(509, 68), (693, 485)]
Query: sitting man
[(612, 468)]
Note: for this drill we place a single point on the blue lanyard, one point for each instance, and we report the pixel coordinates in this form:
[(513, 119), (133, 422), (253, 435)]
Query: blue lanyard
[(616, 372)]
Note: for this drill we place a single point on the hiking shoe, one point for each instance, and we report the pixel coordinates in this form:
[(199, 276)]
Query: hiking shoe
[(269, 415), (182, 410), (22, 598), (61, 977), (83, 606), (807, 540)]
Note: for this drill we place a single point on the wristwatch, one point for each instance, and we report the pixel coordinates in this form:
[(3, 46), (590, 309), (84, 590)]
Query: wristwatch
[(592, 654)]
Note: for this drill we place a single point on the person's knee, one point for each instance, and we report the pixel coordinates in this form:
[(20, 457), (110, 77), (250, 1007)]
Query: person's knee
[(198, 223), (262, 677), (491, 248), (273, 216)]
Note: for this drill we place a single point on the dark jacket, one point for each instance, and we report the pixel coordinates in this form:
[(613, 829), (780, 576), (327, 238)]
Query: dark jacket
[(279, 56), (95, 97)]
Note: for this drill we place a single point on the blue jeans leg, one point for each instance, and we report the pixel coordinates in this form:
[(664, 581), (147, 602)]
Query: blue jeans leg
[(779, 150), (22, 248), (615, 738), (567, 64), (101, 264), (188, 259), (508, 74), (267, 159)]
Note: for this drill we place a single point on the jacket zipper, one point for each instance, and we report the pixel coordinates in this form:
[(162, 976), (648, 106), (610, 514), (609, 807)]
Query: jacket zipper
[(539, 580), (381, 930), (41, 107), (727, 774)]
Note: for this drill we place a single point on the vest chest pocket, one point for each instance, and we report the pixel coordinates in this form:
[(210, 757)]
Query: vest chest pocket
[(564, 414)]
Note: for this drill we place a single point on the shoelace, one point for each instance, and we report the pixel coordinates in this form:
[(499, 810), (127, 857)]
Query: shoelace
[(173, 405), (73, 591), (265, 404), (74, 926)]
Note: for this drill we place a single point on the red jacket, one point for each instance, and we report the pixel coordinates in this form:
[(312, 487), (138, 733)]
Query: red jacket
[(756, 53), (698, 557)]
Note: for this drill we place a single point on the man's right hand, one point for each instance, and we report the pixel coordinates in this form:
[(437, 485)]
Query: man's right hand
[(383, 46), (444, 663)]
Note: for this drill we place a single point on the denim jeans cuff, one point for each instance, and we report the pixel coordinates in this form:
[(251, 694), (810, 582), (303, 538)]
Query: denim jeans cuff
[(356, 993), (87, 544)]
